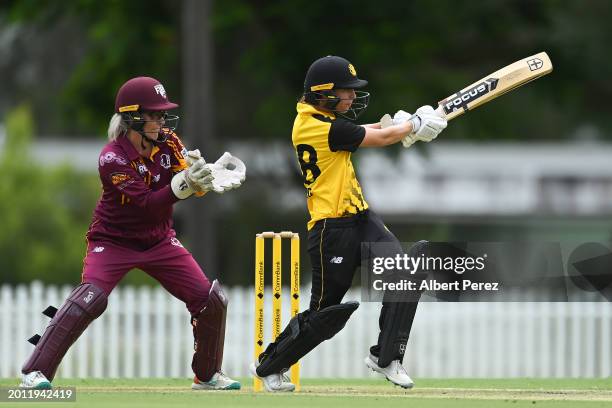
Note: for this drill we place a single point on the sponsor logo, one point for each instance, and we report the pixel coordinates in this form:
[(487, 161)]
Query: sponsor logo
[(164, 160), (110, 157), (142, 169), (462, 99), (174, 241), (535, 64), (336, 260), (119, 178), (89, 296), (159, 88), (98, 249)]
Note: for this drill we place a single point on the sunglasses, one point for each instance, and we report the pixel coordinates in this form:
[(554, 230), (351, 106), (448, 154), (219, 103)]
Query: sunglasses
[(159, 115)]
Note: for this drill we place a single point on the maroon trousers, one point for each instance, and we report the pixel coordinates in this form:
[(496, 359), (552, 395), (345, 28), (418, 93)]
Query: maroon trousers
[(168, 262), (105, 265)]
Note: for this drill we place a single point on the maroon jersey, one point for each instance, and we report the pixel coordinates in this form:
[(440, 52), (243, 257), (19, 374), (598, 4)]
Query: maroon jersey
[(135, 209)]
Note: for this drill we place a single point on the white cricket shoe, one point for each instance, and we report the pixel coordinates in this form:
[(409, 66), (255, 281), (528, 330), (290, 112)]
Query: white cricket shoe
[(274, 382), (394, 372), (35, 380), (219, 381)]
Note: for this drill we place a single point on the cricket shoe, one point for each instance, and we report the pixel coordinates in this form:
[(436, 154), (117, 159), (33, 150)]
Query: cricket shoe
[(394, 372), (274, 382), (219, 381), (35, 380)]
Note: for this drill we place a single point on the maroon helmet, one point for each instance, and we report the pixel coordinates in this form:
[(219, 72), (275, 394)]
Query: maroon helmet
[(145, 94), (142, 94)]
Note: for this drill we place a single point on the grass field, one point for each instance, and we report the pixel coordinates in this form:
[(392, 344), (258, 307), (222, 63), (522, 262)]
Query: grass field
[(452, 393)]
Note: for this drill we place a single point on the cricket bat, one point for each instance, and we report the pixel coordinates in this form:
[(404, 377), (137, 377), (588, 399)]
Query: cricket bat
[(491, 86), (495, 84)]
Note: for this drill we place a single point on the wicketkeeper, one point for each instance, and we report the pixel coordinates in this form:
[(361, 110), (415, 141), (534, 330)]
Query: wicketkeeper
[(340, 220), (144, 170)]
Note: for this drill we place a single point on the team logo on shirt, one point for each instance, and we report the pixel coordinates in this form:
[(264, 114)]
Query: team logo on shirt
[(156, 178), (164, 160), (110, 157), (174, 241)]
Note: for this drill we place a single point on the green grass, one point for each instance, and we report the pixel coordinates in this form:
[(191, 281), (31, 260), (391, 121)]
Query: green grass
[(452, 393)]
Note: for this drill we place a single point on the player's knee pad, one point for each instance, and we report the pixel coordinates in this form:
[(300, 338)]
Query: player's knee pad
[(84, 305), (209, 334), (304, 332)]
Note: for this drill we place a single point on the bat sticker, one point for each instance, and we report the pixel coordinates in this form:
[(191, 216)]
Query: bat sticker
[(535, 64), (462, 99)]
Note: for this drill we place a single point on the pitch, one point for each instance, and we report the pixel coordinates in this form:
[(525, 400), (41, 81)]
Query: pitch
[(451, 393)]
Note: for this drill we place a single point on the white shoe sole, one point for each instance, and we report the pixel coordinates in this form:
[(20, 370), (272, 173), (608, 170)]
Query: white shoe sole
[(374, 367), (253, 371), (45, 385), (204, 387)]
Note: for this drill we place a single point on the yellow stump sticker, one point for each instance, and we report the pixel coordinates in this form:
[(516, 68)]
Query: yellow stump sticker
[(277, 298), (295, 297), (276, 286), (259, 303)]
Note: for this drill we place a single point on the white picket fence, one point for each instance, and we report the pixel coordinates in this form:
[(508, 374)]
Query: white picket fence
[(146, 333)]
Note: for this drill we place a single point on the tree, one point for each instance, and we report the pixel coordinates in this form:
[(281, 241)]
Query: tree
[(45, 212), (412, 53)]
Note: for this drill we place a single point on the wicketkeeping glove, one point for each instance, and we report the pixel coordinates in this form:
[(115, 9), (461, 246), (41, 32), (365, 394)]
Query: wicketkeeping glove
[(228, 172), (193, 178)]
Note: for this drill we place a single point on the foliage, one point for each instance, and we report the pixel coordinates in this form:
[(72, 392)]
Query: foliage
[(45, 211), (412, 52), (123, 39)]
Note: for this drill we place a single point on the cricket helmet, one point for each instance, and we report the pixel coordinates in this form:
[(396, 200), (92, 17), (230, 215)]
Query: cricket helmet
[(333, 72), (145, 94)]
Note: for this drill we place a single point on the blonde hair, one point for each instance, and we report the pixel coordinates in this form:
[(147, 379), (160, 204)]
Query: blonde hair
[(116, 127)]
